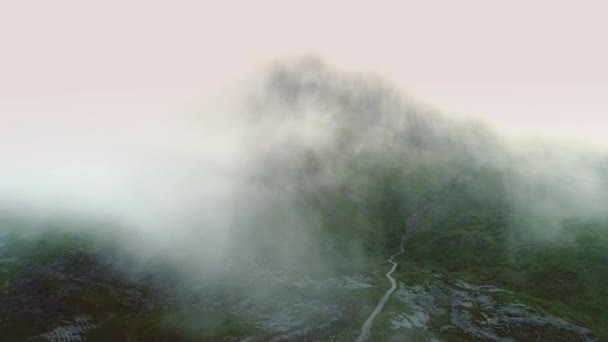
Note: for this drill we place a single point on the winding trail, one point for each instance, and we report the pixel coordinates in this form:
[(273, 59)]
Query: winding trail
[(425, 204), (363, 336)]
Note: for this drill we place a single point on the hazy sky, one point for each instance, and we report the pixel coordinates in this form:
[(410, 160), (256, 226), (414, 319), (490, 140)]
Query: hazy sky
[(526, 65)]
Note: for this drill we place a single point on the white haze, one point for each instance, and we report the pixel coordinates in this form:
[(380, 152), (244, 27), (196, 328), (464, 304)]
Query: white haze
[(139, 113), (179, 180)]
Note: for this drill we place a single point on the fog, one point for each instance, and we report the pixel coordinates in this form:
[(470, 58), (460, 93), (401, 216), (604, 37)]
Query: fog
[(168, 177), (253, 177), (261, 161)]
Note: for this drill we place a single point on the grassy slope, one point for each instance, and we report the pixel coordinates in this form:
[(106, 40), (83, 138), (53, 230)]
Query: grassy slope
[(471, 233), (566, 277)]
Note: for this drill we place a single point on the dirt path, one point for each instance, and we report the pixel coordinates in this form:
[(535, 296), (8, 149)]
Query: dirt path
[(410, 224), (364, 335)]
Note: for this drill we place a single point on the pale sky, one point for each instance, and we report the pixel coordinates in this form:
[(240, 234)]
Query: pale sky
[(527, 66)]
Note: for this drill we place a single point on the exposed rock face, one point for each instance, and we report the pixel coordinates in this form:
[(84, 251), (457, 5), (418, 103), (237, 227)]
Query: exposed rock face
[(472, 311), (72, 331)]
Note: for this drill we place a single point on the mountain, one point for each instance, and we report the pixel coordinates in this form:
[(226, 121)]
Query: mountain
[(501, 241)]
